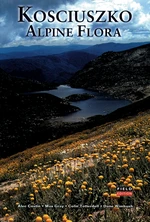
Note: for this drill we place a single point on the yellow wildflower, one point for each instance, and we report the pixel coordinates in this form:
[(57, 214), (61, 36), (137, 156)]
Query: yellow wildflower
[(101, 177), (38, 219), (131, 170)]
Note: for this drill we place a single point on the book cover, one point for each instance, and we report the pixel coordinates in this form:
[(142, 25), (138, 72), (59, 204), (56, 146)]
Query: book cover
[(74, 111)]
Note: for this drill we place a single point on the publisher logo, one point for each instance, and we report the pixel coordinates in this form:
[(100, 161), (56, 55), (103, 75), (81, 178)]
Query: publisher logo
[(124, 191)]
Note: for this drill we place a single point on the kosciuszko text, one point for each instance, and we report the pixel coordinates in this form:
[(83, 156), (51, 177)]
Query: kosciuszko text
[(79, 23)]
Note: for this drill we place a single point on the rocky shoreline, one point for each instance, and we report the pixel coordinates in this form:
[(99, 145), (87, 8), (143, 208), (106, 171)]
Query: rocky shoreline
[(132, 94)]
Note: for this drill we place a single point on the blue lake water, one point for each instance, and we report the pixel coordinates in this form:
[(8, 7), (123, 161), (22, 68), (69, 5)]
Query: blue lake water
[(101, 104)]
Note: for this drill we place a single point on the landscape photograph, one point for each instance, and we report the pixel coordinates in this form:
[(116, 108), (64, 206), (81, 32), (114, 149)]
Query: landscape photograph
[(74, 111)]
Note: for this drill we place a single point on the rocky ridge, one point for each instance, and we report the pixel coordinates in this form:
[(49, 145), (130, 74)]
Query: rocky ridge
[(123, 74)]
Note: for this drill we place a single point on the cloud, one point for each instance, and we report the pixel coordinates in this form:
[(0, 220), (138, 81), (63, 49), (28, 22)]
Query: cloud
[(13, 33)]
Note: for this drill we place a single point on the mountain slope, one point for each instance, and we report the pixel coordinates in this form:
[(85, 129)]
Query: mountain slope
[(52, 68), (123, 74), (22, 116), (92, 163)]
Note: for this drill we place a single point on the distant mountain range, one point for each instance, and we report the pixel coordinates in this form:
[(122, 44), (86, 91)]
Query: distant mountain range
[(123, 74), (39, 50), (55, 64), (99, 49)]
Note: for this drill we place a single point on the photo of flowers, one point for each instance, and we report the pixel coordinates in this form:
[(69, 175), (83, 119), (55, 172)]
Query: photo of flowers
[(74, 111)]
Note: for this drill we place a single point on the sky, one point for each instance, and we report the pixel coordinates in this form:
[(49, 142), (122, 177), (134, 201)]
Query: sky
[(13, 33)]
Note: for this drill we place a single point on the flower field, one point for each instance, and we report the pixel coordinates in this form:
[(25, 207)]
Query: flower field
[(76, 178)]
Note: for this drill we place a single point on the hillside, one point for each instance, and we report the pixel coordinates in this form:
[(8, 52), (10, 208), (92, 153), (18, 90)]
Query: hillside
[(23, 116), (53, 68), (122, 74), (10, 85), (76, 177)]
